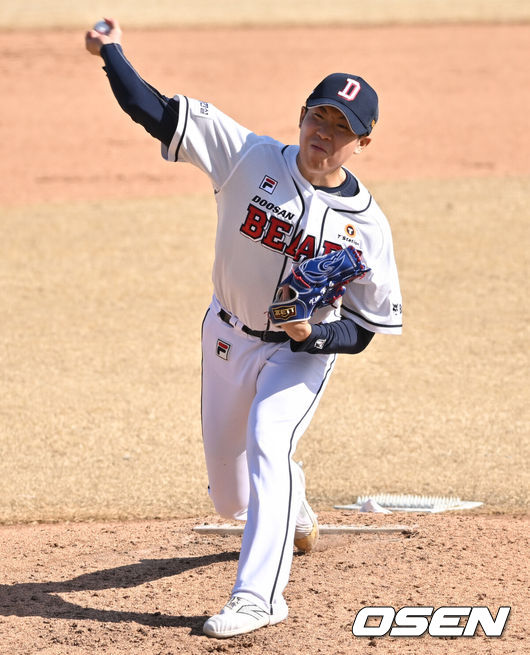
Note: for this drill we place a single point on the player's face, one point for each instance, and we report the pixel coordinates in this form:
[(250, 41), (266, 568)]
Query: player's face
[(326, 143)]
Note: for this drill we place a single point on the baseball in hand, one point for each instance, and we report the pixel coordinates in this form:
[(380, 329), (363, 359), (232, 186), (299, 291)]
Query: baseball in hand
[(102, 27)]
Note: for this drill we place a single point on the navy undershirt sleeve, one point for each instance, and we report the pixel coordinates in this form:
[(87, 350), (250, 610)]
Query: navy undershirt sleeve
[(144, 104), (343, 336)]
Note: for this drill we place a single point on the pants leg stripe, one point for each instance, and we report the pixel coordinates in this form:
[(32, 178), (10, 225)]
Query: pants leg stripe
[(202, 363), (330, 367)]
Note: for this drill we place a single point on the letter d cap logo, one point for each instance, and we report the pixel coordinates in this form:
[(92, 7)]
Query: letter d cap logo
[(353, 96)]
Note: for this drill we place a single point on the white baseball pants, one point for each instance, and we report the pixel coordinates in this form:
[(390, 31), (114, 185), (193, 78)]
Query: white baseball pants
[(257, 400)]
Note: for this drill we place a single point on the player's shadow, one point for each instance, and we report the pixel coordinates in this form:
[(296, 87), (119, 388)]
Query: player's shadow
[(42, 599)]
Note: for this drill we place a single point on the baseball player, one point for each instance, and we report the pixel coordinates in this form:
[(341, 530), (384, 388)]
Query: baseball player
[(278, 206)]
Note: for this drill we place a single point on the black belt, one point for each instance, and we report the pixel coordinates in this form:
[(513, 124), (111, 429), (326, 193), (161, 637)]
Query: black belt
[(264, 335)]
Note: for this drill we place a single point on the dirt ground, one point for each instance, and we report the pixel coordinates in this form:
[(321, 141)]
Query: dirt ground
[(454, 108), (148, 587)]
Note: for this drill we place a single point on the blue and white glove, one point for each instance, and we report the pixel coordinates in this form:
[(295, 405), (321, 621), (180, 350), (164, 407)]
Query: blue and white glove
[(314, 283)]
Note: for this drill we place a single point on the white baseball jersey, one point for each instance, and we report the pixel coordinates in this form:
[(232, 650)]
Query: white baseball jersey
[(269, 215)]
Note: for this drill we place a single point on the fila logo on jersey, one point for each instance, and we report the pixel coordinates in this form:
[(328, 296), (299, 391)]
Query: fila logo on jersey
[(268, 184), (223, 348)]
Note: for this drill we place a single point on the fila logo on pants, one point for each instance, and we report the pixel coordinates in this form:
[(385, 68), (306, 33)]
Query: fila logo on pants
[(223, 348)]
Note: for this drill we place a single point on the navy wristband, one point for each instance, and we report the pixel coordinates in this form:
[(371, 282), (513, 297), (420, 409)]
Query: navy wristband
[(343, 336)]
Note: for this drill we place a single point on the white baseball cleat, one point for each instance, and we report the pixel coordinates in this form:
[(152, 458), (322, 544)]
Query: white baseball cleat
[(306, 531), (238, 617)]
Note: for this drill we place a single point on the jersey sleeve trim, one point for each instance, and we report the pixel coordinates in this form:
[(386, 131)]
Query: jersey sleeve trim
[(171, 153), (370, 325)]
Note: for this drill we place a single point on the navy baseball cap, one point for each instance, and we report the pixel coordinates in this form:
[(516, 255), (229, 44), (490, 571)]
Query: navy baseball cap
[(354, 97)]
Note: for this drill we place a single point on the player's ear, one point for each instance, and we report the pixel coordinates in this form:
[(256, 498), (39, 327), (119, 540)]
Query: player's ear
[(303, 112), (364, 142)]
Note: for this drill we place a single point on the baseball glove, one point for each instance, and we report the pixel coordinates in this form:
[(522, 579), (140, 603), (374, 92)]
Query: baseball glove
[(314, 283)]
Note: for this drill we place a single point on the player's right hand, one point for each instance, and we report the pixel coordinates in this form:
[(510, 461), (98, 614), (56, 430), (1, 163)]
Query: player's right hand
[(94, 41)]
